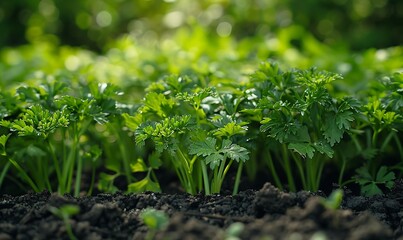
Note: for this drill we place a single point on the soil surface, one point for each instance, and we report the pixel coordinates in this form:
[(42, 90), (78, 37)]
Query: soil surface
[(264, 214)]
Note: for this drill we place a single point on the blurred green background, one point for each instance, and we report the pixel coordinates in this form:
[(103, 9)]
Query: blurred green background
[(353, 24), (131, 43)]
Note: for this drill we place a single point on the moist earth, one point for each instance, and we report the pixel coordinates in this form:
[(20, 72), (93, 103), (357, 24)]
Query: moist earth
[(267, 213)]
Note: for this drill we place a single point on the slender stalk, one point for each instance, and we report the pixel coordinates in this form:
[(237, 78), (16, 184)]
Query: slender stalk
[(399, 146), (319, 171), (123, 151), (220, 175), (237, 179), (300, 168), (269, 162), (59, 177), (205, 178), (92, 181), (287, 168), (343, 168), (79, 171), (387, 141), (45, 170), (70, 165), (25, 175), (186, 172), (4, 172)]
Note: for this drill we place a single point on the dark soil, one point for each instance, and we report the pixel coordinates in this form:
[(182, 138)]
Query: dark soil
[(264, 214)]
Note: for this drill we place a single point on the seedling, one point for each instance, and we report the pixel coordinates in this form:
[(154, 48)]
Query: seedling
[(370, 184), (334, 200), (65, 212), (155, 221)]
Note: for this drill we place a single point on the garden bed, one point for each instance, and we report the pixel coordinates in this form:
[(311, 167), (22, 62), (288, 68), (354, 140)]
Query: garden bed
[(264, 214)]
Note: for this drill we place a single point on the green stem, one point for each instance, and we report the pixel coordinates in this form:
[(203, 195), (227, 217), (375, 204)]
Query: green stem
[(25, 175), (399, 146), (186, 172), (4, 172), (319, 175), (79, 170), (288, 170), (69, 230), (123, 151), (343, 168), (356, 143), (45, 170), (218, 177), (92, 181), (69, 167), (375, 138), (59, 177), (237, 179), (205, 178), (269, 162), (387, 141)]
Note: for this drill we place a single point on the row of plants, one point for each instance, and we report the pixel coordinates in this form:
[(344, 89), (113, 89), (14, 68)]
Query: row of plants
[(71, 134)]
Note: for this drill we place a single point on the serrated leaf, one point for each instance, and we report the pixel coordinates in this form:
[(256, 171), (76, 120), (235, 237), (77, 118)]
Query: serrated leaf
[(369, 153), (3, 141), (383, 176), (203, 148), (324, 148), (303, 149), (364, 173), (214, 160), (154, 160), (157, 103), (132, 122), (371, 189), (331, 132), (236, 152), (230, 130), (343, 119)]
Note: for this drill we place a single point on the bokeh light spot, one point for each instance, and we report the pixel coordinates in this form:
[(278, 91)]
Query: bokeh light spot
[(224, 29), (72, 63), (174, 19), (104, 19)]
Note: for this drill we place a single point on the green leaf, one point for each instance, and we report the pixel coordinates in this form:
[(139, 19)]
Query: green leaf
[(231, 129), (343, 119), (157, 103), (303, 149), (324, 148), (363, 174), (371, 189), (214, 160), (146, 184), (154, 160), (106, 182), (139, 166), (3, 141), (203, 148), (369, 185), (331, 131), (154, 219), (383, 176), (234, 151), (132, 122), (369, 153)]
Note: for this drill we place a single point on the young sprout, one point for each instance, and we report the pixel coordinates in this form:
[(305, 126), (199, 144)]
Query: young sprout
[(155, 221)]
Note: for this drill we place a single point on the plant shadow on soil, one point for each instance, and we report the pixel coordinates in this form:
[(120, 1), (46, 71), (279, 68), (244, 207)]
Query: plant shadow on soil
[(264, 214)]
